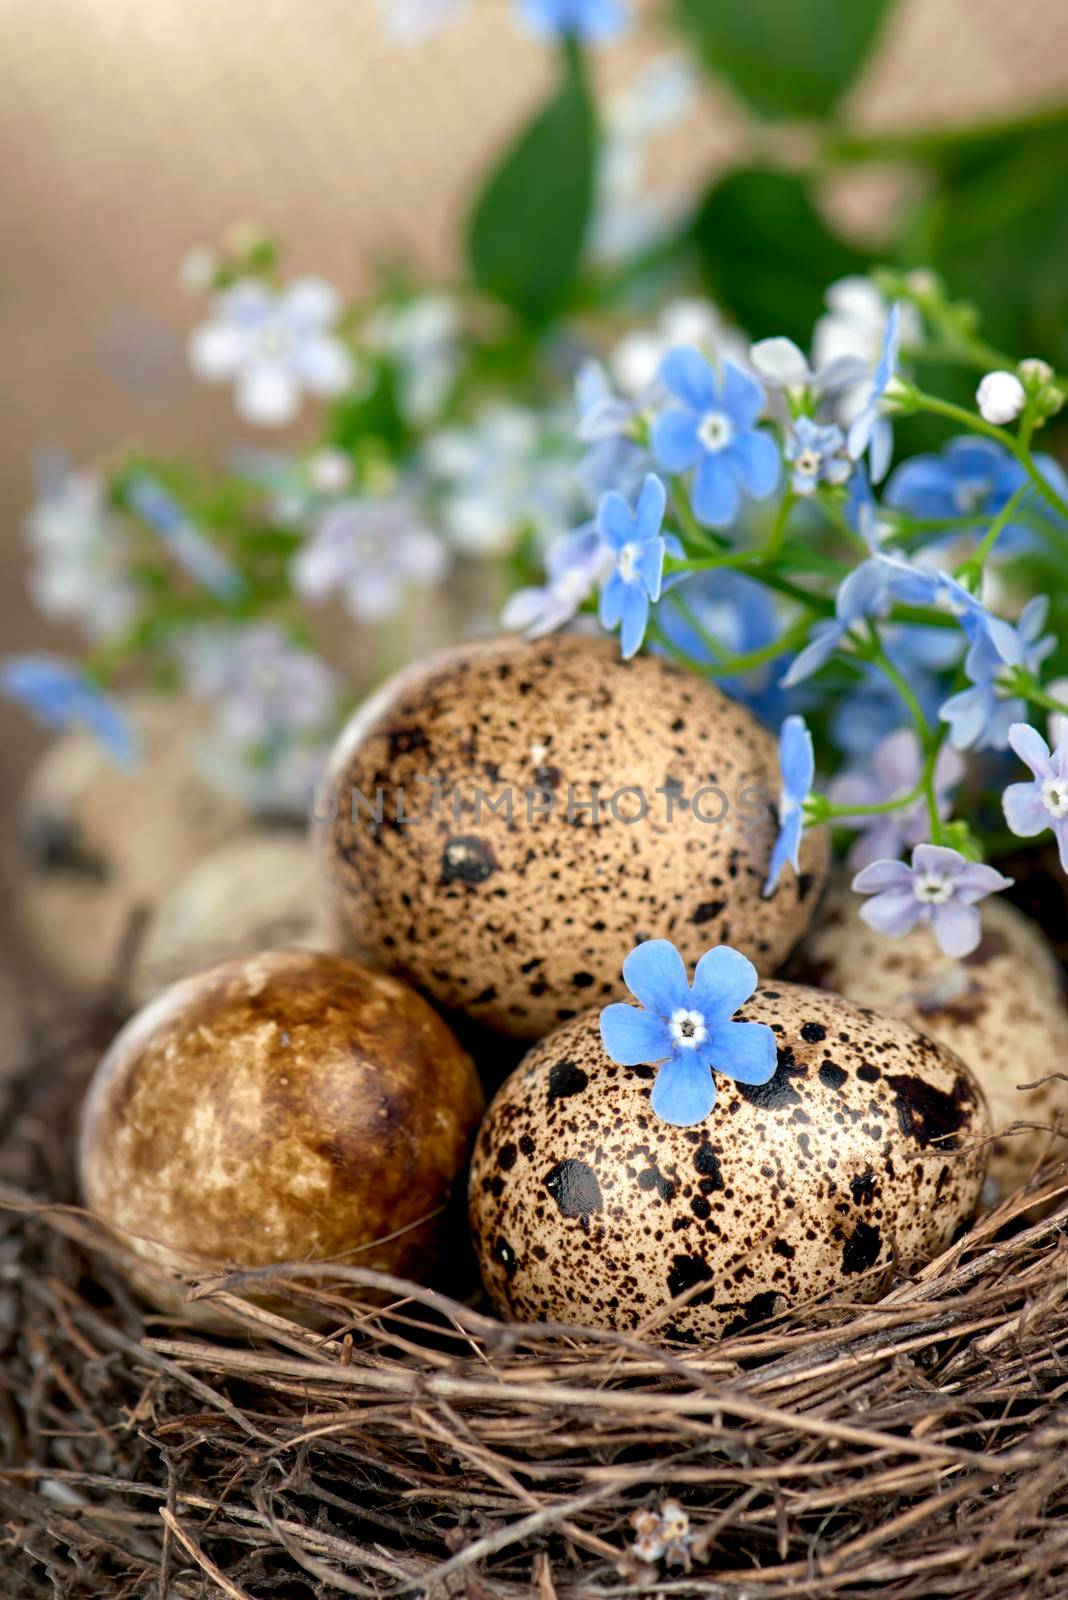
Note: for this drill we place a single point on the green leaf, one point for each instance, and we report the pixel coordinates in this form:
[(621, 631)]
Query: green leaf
[(787, 58), (995, 225), (526, 233), (766, 253)]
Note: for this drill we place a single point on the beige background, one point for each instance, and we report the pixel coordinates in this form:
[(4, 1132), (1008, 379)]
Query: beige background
[(130, 129)]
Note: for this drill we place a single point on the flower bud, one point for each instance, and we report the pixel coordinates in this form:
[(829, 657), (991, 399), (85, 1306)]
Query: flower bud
[(1000, 397), (1035, 372)]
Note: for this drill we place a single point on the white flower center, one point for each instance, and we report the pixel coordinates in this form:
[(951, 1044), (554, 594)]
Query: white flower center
[(1055, 797), (969, 495), (933, 888), (628, 561), (688, 1029), (808, 462), (715, 431), (272, 341)]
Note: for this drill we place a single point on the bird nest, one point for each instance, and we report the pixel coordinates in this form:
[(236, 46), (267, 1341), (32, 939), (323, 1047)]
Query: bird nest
[(917, 1447)]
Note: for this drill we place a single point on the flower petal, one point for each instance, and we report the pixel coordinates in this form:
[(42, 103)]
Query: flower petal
[(684, 1092), (724, 980), (781, 363), (1024, 811), (1032, 749), (634, 1037), (715, 493), (825, 640), (675, 442), (786, 848), (610, 605), (267, 394), (649, 512), (325, 366), (957, 927), (615, 520), (650, 566), (216, 351), (797, 759), (883, 875), (635, 619), (744, 1051), (755, 459), (655, 974), (743, 398), (894, 913), (685, 372)]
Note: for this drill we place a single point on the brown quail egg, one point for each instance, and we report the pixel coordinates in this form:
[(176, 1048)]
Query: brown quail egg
[(103, 843), (1002, 1010), (257, 892), (862, 1152), (286, 1106), (456, 831)]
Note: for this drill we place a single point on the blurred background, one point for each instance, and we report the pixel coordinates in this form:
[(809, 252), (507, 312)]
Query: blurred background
[(131, 132)]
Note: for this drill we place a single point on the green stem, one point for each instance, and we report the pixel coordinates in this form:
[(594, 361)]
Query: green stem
[(978, 424), (973, 566), (778, 531), (729, 665)]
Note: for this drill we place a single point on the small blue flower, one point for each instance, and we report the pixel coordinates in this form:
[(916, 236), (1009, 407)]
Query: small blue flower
[(816, 451), (162, 513), (940, 888), (945, 593), (738, 613), (713, 430), (60, 695), (980, 717), (864, 592), (971, 477), (871, 431), (1031, 808), (640, 547), (686, 1030), (797, 764), (593, 21)]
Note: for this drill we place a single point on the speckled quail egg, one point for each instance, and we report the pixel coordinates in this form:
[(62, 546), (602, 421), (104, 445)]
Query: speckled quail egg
[(103, 842), (863, 1151), (257, 892), (285, 1106), (522, 921), (1002, 1010)]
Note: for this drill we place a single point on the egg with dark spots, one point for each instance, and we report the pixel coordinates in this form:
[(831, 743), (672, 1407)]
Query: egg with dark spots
[(863, 1155), (497, 822), (287, 1106), (1002, 1009)]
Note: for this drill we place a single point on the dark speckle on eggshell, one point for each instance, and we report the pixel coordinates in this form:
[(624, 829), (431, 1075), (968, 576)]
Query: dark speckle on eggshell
[(812, 1182)]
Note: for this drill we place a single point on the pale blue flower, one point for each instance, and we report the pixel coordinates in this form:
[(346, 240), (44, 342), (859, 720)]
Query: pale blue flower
[(687, 1030), (870, 431), (81, 552), (941, 888), (274, 345), (797, 765), (1031, 808), (713, 430), (592, 21), (615, 460), (371, 552), (783, 368), (816, 452), (980, 717), (893, 768), (945, 593), (575, 563), (267, 689), (639, 547), (158, 509), (60, 695)]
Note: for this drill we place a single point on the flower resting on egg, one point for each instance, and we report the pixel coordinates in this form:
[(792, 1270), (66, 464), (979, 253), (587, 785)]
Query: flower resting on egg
[(797, 764), (941, 887), (687, 1030), (1031, 808)]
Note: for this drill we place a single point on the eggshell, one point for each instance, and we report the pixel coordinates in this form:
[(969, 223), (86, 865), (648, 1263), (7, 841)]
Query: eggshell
[(104, 843), (523, 923), (863, 1151), (287, 1106), (1002, 1009), (257, 892)]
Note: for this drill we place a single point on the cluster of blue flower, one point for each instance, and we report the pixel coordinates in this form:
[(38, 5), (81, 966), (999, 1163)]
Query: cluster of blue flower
[(935, 670)]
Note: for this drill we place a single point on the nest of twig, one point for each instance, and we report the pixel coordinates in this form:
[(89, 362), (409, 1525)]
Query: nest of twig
[(914, 1448)]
